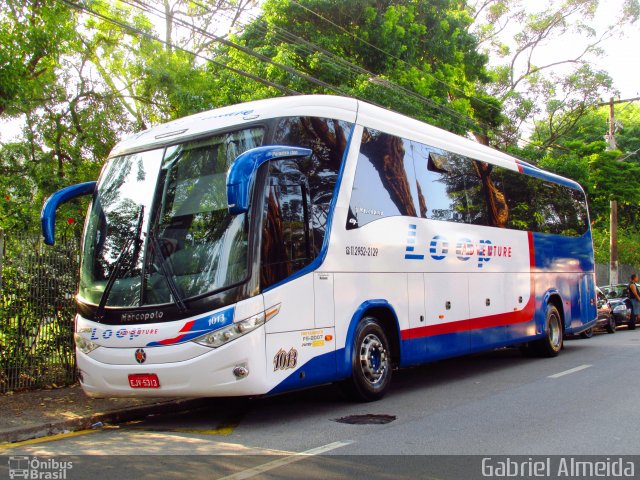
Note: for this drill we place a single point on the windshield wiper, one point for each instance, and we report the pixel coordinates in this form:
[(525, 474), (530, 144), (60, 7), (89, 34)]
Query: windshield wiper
[(117, 266), (168, 273)]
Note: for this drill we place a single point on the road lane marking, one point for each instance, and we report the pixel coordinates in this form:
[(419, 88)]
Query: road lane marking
[(50, 438), (570, 371), (296, 457)]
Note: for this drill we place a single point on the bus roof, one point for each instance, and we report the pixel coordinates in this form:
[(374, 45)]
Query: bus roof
[(327, 106)]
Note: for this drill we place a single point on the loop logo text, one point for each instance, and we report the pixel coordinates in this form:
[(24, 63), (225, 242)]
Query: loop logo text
[(463, 249)]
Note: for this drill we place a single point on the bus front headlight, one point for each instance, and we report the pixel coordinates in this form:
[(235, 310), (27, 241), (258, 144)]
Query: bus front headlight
[(224, 335), (84, 345)]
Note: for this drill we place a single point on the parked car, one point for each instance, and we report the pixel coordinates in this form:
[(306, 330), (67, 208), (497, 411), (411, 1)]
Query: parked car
[(620, 304), (606, 320)]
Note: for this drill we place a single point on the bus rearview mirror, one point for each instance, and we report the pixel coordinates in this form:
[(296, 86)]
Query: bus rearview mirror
[(240, 176), (48, 214)]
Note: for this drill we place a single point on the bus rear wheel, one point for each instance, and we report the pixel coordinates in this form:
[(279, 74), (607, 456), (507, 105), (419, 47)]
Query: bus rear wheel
[(370, 363), (551, 344)]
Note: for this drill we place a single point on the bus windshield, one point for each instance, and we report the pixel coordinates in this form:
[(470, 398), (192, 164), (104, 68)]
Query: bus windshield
[(159, 230)]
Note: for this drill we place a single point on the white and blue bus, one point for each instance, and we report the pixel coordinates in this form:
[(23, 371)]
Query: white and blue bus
[(296, 241)]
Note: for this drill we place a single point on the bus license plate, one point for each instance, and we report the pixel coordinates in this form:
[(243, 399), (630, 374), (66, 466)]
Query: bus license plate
[(144, 380)]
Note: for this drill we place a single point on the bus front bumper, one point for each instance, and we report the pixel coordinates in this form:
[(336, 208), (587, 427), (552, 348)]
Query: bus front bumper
[(235, 369)]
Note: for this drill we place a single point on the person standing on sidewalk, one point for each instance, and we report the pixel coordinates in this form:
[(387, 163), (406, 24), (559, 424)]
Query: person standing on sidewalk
[(634, 296)]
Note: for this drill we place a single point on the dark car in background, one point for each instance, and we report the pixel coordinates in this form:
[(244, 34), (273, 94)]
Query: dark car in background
[(620, 304), (606, 320)]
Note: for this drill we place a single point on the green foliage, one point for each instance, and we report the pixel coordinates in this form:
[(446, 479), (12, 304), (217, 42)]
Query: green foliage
[(430, 53), (559, 86), (628, 246), (33, 36), (581, 154)]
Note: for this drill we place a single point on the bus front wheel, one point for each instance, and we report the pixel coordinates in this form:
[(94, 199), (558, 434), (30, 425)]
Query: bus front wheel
[(370, 363), (551, 344)]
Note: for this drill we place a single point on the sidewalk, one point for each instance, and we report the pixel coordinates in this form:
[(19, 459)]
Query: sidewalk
[(39, 413)]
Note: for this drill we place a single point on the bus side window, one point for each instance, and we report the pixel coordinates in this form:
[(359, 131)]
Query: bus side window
[(384, 184), (286, 240), (328, 139), (520, 191), (441, 184)]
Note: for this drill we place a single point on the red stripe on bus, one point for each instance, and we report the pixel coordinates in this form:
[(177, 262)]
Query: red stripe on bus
[(171, 341), (509, 318), (187, 326)]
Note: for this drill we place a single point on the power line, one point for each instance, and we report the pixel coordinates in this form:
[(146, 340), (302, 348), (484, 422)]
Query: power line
[(126, 26), (395, 57), (153, 10), (350, 67), (344, 65), (263, 58), (246, 50), (146, 7)]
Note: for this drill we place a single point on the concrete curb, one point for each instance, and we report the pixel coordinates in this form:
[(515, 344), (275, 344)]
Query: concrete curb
[(19, 434)]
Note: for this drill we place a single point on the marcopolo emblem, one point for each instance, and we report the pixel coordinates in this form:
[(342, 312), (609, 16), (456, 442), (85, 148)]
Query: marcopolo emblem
[(140, 355)]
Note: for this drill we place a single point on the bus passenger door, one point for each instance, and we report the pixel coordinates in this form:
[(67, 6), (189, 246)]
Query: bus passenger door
[(300, 344), (286, 249)]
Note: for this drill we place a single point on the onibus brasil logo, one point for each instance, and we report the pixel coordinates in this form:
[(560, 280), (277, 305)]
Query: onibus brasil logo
[(38, 469)]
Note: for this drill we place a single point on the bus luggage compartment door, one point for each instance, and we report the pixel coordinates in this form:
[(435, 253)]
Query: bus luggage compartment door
[(324, 303)]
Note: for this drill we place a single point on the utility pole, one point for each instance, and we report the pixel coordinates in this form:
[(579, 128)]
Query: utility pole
[(613, 208), (610, 137)]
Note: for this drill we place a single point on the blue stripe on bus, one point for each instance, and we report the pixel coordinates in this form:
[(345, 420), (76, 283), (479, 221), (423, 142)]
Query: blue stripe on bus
[(318, 370)]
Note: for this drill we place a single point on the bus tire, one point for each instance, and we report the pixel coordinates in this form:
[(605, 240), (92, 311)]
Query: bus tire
[(370, 363), (551, 344)]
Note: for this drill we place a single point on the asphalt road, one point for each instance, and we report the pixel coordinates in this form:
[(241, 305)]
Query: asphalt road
[(583, 402)]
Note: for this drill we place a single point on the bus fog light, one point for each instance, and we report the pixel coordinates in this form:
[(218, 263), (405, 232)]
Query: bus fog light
[(240, 371)]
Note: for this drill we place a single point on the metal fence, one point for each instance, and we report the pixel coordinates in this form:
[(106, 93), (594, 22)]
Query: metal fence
[(37, 285), (624, 273)]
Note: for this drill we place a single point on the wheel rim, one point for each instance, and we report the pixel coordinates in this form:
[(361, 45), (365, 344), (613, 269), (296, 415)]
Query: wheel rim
[(555, 332), (373, 359)]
